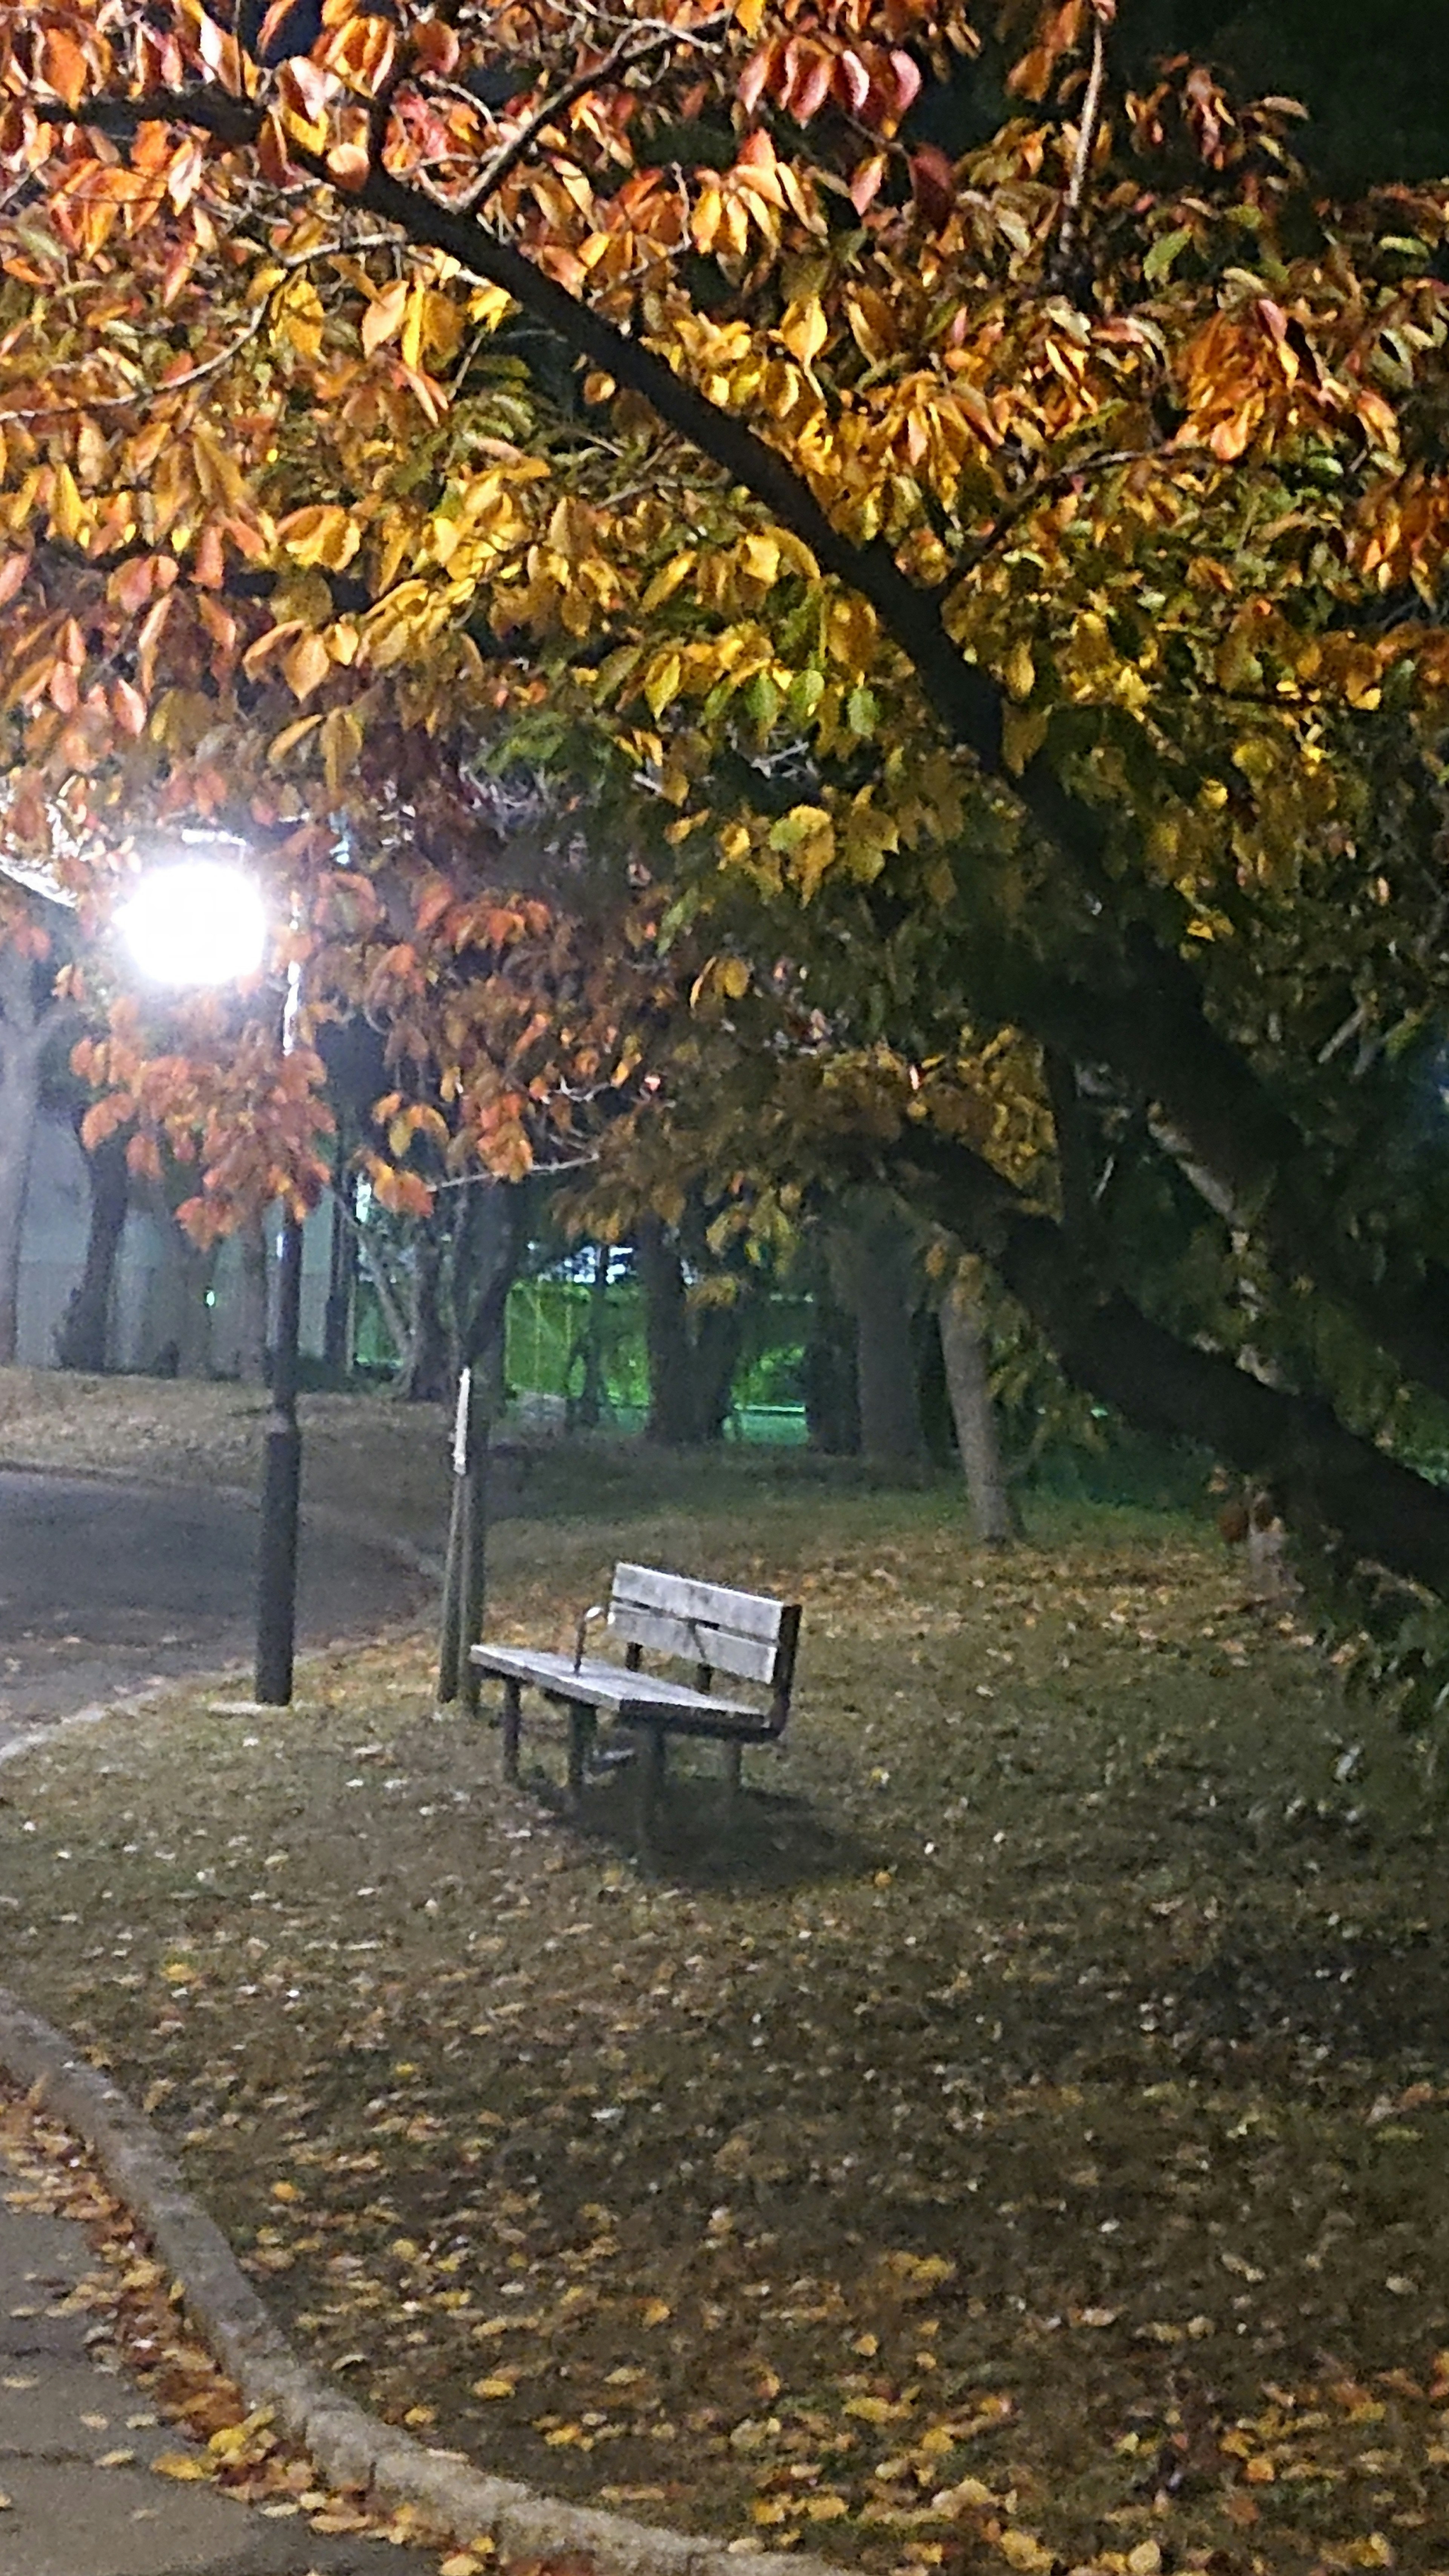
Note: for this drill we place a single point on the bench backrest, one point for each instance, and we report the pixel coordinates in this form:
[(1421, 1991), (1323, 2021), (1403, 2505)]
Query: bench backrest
[(706, 1624)]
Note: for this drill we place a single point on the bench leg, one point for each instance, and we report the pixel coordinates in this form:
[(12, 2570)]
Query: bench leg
[(512, 1723), (732, 1758), (653, 1771), (581, 1736)]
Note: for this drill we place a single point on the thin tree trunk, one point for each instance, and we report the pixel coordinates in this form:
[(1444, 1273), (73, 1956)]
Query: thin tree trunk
[(874, 1267), (589, 1346), (963, 1349), (394, 1320), (1334, 1484), (341, 1277), (83, 1341), (488, 1253), (193, 1266), (427, 1376), (253, 1303), (26, 1026), (832, 1402), (673, 1412), (19, 1104), (719, 1339)]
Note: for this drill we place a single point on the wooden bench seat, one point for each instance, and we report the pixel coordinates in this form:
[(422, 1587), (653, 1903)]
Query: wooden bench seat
[(708, 1626)]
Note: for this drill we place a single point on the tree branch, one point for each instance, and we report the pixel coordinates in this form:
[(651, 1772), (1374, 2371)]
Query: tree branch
[(1384, 1513), (1149, 1022)]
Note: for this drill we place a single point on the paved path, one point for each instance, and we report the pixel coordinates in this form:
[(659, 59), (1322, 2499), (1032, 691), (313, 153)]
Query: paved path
[(66, 2403), (106, 1587)]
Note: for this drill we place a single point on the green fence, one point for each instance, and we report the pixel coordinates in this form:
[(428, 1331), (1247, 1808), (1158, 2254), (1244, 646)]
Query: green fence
[(549, 1324)]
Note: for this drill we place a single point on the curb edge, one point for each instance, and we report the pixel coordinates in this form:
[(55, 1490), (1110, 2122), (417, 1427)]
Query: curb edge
[(352, 2446)]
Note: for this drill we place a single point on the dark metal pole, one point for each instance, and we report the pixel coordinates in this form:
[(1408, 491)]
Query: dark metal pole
[(282, 1461)]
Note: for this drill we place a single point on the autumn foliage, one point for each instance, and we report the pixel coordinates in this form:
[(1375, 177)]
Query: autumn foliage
[(966, 622)]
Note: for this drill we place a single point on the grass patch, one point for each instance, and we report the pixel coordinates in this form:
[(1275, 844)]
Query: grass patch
[(1024, 2135)]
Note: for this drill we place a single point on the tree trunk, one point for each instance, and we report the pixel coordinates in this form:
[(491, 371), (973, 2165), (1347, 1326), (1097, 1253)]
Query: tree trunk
[(832, 1399), (19, 1102), (963, 1349), (25, 1025), (673, 1409), (1335, 1486), (719, 1338), (341, 1279), (488, 1253), (427, 1377), (253, 1304), (588, 1406), (83, 1341), (874, 1268)]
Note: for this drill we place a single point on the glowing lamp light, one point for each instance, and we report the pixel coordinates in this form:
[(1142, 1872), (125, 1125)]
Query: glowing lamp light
[(195, 922)]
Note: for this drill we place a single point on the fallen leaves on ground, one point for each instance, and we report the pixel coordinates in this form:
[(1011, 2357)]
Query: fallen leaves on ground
[(140, 2318), (1008, 2146)]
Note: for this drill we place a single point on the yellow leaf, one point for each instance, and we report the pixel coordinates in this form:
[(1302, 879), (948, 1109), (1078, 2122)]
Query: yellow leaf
[(826, 2508), (1145, 2559), (178, 1972), (661, 683), (805, 329), (307, 665), (341, 744), (414, 321), (666, 583), (384, 315), (657, 2312), (182, 2465), (1023, 731), (324, 534), (289, 737), (767, 2509), (500, 2385), (1020, 672), (1020, 2550), (960, 2499), (734, 976), (65, 505)]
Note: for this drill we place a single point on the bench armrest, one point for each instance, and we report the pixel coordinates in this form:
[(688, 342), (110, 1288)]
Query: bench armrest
[(596, 1610)]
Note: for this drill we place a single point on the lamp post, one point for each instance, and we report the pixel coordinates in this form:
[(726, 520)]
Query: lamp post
[(191, 924)]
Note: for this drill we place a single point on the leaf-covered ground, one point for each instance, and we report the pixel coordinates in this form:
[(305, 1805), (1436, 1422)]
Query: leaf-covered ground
[(1025, 2136), (361, 1453)]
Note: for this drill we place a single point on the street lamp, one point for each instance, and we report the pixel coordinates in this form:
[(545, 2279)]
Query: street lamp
[(190, 924)]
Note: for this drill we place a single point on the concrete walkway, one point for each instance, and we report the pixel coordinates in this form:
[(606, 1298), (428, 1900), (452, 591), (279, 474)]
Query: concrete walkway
[(67, 2404), (106, 1588)]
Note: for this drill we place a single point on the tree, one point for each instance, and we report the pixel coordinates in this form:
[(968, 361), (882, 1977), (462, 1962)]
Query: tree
[(33, 1018), (999, 589)]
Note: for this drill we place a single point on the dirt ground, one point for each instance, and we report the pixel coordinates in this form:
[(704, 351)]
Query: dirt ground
[(1022, 2137)]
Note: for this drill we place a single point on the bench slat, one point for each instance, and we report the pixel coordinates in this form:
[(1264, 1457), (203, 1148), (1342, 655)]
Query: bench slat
[(750, 1659), (680, 1596)]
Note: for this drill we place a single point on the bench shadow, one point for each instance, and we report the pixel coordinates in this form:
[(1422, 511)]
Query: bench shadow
[(768, 1840)]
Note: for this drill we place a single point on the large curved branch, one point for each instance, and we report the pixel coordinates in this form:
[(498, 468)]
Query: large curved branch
[(1332, 1482), (1143, 1012)]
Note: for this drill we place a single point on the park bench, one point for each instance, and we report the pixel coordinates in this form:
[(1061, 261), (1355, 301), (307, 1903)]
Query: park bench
[(705, 1625)]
